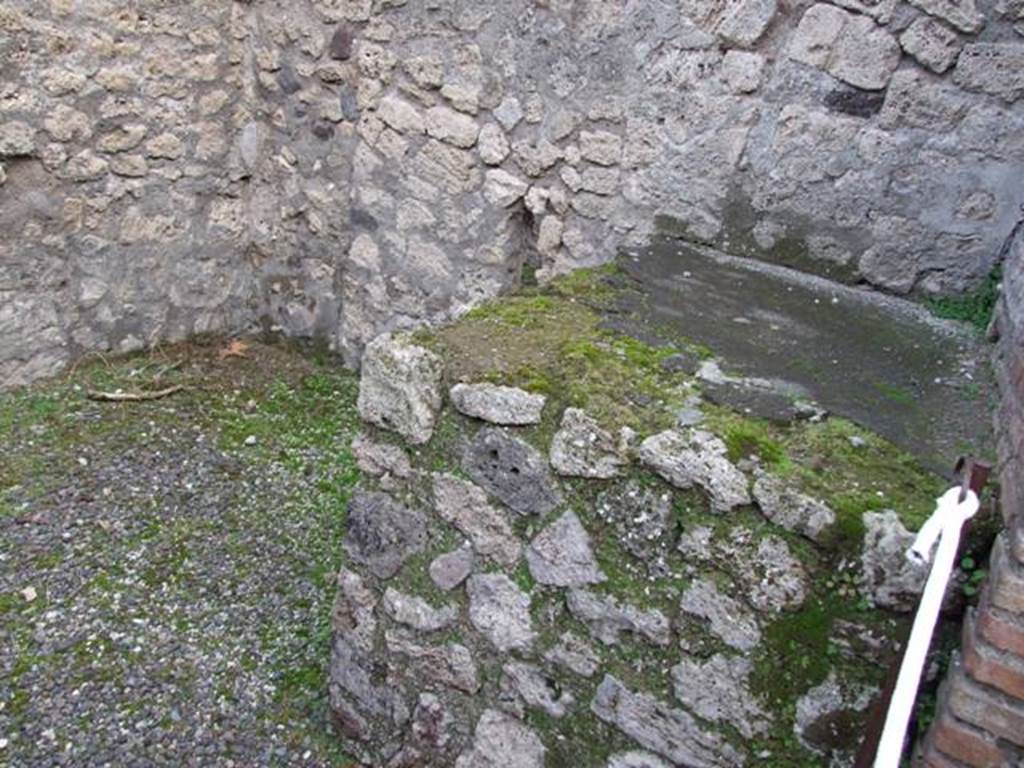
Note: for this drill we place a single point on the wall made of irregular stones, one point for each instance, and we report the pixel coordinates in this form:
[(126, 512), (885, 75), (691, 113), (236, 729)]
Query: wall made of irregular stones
[(117, 124), (339, 168), (981, 707), (525, 587)]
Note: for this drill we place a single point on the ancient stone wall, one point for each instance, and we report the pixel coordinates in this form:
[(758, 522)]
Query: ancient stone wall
[(527, 585), (981, 709), (342, 167)]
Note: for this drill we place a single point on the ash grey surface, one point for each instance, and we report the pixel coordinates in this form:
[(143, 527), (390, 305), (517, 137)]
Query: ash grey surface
[(921, 382), (175, 591)]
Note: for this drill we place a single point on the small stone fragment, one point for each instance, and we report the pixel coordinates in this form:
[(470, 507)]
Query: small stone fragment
[(379, 459), (641, 518), (848, 46), (536, 689), (742, 71), (671, 733), (962, 14), (452, 127), (888, 578), (774, 579), (400, 115), (729, 620), (739, 22), (791, 509), (561, 555), (993, 68), (696, 458), (381, 533), (500, 611), (340, 47), (581, 448), (86, 166), (400, 387), (431, 728), (575, 654), (17, 139), (427, 71), (536, 158), (166, 146), (600, 147), (449, 570), (503, 189), (509, 113), (497, 404), (493, 145), (636, 759), (501, 740), (606, 618), (718, 690), (464, 97), (830, 720), (353, 612), (451, 664), (416, 612), (465, 506), (932, 43), (360, 707), (512, 471)]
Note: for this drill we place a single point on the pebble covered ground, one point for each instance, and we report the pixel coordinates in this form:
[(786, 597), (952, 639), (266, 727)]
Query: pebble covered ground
[(167, 566)]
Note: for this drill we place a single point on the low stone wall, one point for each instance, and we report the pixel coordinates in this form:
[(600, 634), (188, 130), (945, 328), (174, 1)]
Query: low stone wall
[(981, 709), (339, 168), (521, 597)]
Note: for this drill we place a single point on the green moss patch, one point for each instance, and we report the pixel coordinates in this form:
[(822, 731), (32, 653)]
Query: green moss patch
[(975, 307), (550, 340)]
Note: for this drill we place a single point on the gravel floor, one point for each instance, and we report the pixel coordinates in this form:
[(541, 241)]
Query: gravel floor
[(166, 567)]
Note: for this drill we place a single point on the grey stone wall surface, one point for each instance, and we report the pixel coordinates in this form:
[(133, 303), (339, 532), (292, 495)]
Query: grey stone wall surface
[(339, 168)]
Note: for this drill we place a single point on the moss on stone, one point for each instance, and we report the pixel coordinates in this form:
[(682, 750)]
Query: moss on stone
[(550, 340), (851, 469), (745, 437), (975, 307)]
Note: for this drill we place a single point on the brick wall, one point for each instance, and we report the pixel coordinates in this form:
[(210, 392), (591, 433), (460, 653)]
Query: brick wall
[(980, 720)]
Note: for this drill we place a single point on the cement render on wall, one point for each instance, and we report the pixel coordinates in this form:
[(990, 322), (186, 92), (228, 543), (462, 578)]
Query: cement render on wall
[(337, 168)]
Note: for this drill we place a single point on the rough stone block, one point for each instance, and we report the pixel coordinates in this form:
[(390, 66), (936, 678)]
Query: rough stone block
[(17, 139), (962, 14), (739, 22), (400, 387), (932, 43), (498, 404), (849, 47), (993, 68)]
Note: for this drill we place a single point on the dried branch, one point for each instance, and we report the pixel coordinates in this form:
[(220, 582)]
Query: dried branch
[(132, 397)]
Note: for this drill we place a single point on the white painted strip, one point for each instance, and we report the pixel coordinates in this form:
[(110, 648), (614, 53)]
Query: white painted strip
[(945, 525)]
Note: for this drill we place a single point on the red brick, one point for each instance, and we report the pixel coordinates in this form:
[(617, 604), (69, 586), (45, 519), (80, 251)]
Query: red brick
[(955, 739), (988, 665), (932, 758), (1000, 630), (1006, 580), (986, 709)]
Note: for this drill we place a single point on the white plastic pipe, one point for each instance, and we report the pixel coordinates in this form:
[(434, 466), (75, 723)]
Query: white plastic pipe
[(945, 525)]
